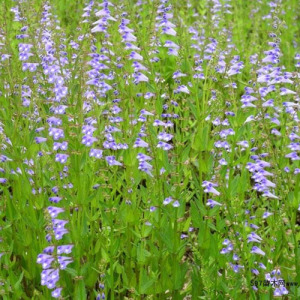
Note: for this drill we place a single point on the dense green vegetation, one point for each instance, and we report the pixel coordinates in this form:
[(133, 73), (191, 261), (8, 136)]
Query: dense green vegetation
[(167, 132)]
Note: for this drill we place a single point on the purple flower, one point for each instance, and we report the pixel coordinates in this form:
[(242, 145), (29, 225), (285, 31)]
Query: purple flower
[(59, 224), (60, 110), (62, 158), (281, 291), (112, 161), (128, 37), (268, 103), (49, 277), (226, 242), (176, 203), (67, 249), (178, 74), (253, 237), (149, 95), (171, 44), (49, 238), (224, 251), (212, 203), (64, 261), (153, 208), (173, 51), (199, 76), (223, 162), (131, 46), (209, 187), (54, 121), (169, 30), (88, 140), (164, 146), (135, 55), (59, 233), (255, 271), (293, 156), (97, 153), (235, 267), (272, 58), (55, 199), (3, 180), (167, 201), (57, 133), (254, 226), (49, 250), (262, 266), (143, 157), (244, 144), (29, 66), (165, 136), (264, 79), (5, 56), (23, 56), (266, 214), (235, 257), (140, 143), (285, 91), (25, 47), (145, 167), (56, 293), (139, 77), (138, 67), (54, 211), (159, 123), (99, 28), (182, 89), (40, 140), (45, 260), (62, 146), (257, 250)]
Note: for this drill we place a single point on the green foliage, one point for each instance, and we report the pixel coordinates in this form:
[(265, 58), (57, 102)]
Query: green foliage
[(140, 254)]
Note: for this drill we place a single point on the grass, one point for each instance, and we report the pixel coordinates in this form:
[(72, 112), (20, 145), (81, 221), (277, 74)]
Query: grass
[(124, 238)]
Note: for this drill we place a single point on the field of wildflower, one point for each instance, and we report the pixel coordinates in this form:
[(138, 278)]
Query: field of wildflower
[(149, 149)]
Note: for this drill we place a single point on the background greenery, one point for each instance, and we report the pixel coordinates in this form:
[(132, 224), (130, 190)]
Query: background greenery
[(112, 242)]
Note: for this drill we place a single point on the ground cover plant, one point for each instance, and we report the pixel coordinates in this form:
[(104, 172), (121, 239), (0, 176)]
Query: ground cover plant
[(149, 149)]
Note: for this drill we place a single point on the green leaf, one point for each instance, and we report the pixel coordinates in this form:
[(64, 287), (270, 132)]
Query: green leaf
[(80, 291)]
